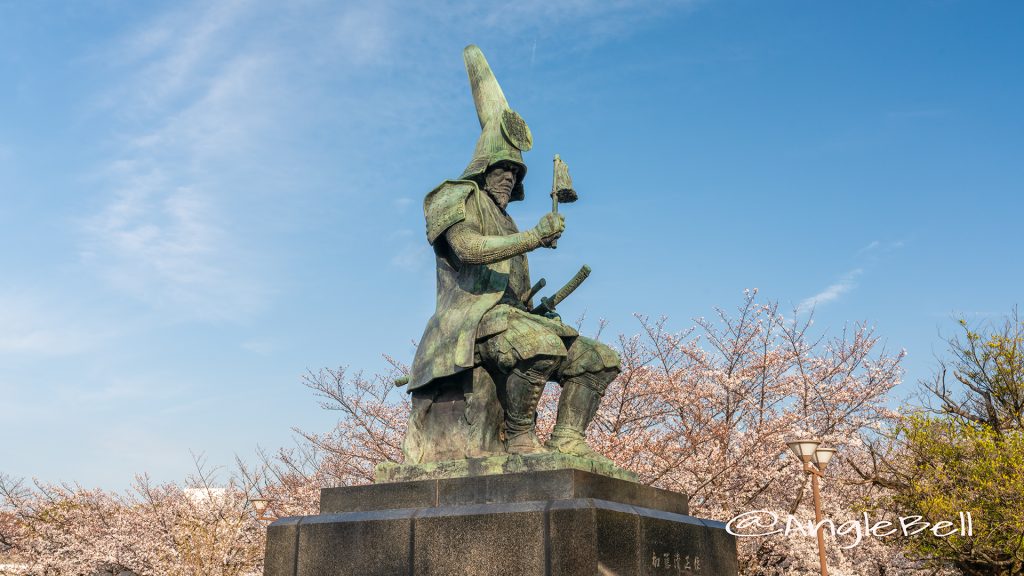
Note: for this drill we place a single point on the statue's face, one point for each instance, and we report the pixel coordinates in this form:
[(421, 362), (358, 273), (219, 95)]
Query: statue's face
[(499, 181)]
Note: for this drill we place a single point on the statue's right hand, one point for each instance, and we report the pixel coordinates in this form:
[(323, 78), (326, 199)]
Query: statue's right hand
[(550, 227)]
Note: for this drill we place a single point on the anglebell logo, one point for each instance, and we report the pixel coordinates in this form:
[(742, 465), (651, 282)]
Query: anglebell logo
[(768, 523)]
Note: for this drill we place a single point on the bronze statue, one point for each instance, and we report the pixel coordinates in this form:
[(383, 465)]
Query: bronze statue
[(485, 322), (476, 492)]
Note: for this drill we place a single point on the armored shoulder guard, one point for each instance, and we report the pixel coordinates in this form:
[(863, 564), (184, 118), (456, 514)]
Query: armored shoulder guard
[(445, 206)]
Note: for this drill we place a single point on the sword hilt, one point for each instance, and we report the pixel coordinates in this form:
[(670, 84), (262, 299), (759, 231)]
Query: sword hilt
[(536, 288), (549, 304)]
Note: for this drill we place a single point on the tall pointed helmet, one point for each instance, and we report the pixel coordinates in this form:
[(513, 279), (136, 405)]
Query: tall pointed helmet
[(504, 134)]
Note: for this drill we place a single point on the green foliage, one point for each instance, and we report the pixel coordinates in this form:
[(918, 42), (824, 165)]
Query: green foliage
[(966, 454), (959, 466), (987, 364)]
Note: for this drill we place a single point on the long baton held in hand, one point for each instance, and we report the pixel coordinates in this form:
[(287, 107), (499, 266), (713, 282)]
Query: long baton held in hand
[(561, 189)]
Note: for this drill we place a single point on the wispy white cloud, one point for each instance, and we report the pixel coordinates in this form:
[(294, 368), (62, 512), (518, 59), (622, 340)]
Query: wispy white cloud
[(364, 34), (832, 292), (259, 346), (409, 249), (402, 203), (592, 21), (219, 126), (879, 247), (170, 53), (212, 92), (30, 326), (112, 391), (412, 257), (192, 110), (872, 246), (166, 245)]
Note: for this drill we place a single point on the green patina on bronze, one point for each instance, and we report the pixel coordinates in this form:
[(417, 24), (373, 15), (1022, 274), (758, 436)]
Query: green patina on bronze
[(501, 464), (487, 351)]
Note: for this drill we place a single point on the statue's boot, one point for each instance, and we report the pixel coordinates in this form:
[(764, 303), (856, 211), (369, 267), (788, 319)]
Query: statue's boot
[(581, 395), (522, 391)]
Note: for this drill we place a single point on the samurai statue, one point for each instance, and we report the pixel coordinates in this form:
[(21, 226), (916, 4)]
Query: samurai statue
[(485, 317)]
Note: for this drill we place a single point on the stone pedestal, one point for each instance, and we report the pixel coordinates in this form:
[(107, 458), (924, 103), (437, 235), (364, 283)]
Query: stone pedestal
[(550, 523)]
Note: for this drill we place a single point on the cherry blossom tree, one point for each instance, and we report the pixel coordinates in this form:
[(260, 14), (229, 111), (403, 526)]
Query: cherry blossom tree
[(153, 529), (705, 411)]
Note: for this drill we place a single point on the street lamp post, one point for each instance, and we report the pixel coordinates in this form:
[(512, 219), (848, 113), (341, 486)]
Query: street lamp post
[(262, 508), (814, 460)]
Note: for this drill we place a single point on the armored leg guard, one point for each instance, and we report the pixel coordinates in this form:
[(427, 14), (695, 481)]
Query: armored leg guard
[(522, 393), (581, 395)]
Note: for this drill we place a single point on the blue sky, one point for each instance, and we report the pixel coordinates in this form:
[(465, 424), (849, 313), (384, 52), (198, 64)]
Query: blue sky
[(199, 202)]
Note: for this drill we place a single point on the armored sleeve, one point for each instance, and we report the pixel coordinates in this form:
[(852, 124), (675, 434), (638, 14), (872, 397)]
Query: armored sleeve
[(472, 247)]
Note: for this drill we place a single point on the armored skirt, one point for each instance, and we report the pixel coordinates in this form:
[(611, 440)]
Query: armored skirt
[(527, 336)]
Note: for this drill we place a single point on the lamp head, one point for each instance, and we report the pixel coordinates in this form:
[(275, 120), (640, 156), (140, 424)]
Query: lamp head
[(822, 457), (260, 504), (804, 449)]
